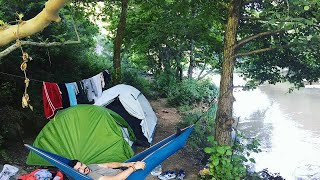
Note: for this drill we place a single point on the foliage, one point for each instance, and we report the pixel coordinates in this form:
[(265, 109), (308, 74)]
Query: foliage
[(203, 128), (63, 64), (163, 34), (294, 52), (163, 82), (10, 127), (191, 91), (227, 162), (137, 79)]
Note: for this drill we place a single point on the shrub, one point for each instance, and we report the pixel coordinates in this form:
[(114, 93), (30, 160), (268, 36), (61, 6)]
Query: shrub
[(164, 82), (203, 128), (191, 91), (138, 80), (10, 127), (228, 162)]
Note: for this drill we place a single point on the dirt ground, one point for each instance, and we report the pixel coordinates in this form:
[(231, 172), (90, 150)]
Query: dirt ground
[(168, 118)]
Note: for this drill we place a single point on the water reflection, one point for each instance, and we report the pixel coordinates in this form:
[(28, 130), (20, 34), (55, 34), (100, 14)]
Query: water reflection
[(287, 126)]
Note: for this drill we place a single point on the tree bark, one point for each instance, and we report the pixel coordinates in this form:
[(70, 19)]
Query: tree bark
[(38, 23), (192, 61), (118, 43), (192, 64), (224, 118)]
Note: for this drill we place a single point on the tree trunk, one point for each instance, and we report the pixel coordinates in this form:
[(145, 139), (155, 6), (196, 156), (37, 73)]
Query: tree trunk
[(118, 42), (167, 64), (224, 118), (192, 62)]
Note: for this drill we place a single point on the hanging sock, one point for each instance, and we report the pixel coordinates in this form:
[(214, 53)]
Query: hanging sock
[(8, 171)]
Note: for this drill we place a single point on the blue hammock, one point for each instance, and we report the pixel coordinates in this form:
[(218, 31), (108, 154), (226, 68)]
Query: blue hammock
[(152, 156)]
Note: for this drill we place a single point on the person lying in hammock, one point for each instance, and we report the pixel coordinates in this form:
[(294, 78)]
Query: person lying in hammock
[(107, 171)]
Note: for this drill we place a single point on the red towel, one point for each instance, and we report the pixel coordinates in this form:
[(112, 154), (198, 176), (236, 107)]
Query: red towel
[(51, 98)]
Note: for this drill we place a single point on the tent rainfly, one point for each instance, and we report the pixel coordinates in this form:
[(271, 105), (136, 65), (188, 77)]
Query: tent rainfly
[(133, 106), (89, 133)]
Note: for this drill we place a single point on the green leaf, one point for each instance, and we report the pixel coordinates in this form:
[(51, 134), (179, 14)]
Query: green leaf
[(229, 153), (208, 150), (215, 162), (221, 150), (306, 8)]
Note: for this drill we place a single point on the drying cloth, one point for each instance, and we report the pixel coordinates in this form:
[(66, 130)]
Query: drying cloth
[(72, 94), (43, 174), (98, 83), (8, 171), (64, 95), (89, 88), (52, 100)]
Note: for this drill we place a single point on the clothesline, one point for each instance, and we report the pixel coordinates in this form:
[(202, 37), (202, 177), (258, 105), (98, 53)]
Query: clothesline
[(22, 77), (62, 95)]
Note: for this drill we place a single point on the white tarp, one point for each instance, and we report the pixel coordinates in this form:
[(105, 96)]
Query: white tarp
[(135, 103)]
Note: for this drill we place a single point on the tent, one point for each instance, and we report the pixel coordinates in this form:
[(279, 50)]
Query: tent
[(133, 106), (89, 133)]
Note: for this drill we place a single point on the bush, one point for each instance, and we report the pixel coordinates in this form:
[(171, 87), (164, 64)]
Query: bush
[(191, 91), (229, 163), (10, 127), (136, 79), (164, 82), (203, 128)]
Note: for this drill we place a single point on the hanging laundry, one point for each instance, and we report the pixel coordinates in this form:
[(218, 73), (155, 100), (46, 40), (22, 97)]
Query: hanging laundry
[(52, 100), (72, 89), (82, 97), (99, 83), (64, 95), (107, 79), (89, 89)]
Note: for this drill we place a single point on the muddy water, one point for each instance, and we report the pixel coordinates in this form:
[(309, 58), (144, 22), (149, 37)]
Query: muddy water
[(288, 126)]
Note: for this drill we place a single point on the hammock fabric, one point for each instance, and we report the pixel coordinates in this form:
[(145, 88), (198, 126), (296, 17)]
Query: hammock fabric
[(152, 156)]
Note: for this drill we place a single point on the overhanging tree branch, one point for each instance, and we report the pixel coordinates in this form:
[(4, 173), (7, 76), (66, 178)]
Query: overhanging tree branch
[(248, 39), (251, 1), (40, 44), (38, 23), (255, 51)]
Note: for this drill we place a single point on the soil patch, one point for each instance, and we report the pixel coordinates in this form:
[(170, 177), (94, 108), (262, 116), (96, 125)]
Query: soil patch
[(168, 118)]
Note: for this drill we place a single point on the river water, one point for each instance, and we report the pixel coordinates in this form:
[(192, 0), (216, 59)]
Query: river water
[(287, 125)]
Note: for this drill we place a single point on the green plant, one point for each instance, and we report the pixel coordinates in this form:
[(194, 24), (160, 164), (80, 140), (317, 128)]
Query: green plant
[(137, 79), (226, 162), (191, 91), (203, 128), (164, 82)]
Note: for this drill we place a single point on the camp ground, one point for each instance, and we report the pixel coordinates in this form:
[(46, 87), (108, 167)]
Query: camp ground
[(82, 79)]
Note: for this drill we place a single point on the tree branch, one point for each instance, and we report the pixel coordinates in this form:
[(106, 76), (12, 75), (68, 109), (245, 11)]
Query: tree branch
[(38, 23), (40, 44), (250, 1), (248, 39), (255, 51)]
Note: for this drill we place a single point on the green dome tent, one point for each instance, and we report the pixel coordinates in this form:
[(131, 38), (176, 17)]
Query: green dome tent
[(89, 133)]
